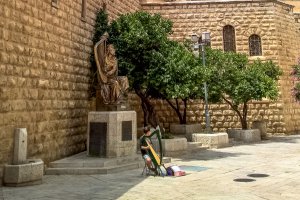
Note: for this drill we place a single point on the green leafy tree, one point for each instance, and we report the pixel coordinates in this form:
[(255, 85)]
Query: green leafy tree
[(137, 37), (178, 79), (237, 81)]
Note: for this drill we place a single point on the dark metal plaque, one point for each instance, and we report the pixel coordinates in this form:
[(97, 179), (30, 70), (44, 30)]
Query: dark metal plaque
[(258, 175), (97, 145), (245, 180), (126, 130)]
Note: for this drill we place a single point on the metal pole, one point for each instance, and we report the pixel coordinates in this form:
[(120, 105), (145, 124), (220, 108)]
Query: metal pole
[(207, 118)]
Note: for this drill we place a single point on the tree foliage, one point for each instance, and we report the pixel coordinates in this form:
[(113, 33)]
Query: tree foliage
[(238, 81), (137, 38), (178, 78)]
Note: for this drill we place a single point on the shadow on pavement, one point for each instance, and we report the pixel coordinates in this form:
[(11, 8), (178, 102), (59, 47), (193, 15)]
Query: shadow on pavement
[(77, 187), (283, 139), (209, 154)]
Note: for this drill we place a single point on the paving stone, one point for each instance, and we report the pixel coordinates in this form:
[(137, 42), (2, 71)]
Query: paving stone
[(277, 157)]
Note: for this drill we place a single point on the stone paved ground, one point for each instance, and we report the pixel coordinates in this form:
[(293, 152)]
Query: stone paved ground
[(1, 193), (211, 176)]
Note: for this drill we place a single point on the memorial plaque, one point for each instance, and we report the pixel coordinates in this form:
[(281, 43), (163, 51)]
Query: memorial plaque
[(97, 142), (126, 130)]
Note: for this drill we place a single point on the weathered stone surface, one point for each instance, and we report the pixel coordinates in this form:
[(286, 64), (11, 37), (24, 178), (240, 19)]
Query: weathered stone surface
[(44, 53), (45, 73), (214, 140), (173, 146), (20, 146), (182, 129), (115, 145), (249, 135), (248, 17), (24, 174)]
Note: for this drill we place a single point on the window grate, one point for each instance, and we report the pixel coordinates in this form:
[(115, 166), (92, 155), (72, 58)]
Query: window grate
[(255, 45), (229, 38)]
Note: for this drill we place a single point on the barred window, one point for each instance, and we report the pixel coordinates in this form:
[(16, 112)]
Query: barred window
[(229, 38), (83, 10), (255, 45)]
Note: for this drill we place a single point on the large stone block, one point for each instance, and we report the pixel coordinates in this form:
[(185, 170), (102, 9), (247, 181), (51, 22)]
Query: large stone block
[(262, 126), (111, 134), (29, 173), (250, 135), (182, 129), (20, 146), (171, 147), (214, 140), (174, 146)]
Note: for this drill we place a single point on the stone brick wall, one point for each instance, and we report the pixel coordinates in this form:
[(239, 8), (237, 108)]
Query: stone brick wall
[(268, 19), (222, 117), (44, 73), (288, 54)]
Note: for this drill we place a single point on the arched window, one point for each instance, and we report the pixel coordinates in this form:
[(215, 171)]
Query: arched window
[(229, 38), (255, 45)]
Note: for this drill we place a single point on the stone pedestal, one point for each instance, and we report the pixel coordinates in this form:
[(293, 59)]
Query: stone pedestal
[(20, 146), (29, 173), (250, 135), (171, 147), (214, 140), (23, 171), (262, 126), (185, 129), (123, 104), (111, 134)]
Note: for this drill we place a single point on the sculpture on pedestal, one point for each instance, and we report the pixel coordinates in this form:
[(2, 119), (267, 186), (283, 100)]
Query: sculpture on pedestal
[(113, 88)]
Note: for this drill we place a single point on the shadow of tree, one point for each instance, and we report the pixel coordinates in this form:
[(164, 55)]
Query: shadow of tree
[(283, 139), (209, 154)]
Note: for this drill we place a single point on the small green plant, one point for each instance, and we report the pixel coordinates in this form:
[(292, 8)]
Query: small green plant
[(296, 79), (167, 135)]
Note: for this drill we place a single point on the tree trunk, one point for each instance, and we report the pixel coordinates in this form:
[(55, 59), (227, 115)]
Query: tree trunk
[(242, 116), (150, 116), (184, 110), (177, 110)]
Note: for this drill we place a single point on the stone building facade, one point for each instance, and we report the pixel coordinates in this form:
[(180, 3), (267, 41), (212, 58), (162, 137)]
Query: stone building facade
[(277, 26), (45, 72)]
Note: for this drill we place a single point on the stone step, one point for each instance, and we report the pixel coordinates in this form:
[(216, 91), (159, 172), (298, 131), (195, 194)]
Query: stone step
[(195, 146), (233, 142), (83, 164), (93, 162), (93, 170)]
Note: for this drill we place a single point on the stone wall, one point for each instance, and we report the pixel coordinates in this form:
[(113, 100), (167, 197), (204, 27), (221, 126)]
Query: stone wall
[(268, 19), (44, 73), (222, 117), (288, 34)]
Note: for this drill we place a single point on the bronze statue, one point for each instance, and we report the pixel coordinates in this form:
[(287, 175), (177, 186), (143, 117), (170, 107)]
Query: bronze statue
[(112, 87)]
